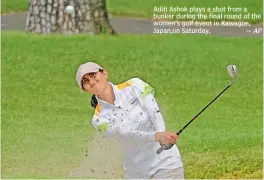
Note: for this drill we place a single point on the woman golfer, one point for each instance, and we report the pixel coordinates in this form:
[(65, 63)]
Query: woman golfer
[(129, 113)]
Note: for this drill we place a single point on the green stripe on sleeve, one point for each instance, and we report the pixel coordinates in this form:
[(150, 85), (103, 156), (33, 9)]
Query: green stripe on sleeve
[(147, 90), (102, 127)]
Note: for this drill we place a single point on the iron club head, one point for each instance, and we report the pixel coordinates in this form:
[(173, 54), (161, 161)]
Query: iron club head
[(232, 71)]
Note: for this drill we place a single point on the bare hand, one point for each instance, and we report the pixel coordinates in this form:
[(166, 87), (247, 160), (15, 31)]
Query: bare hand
[(166, 137)]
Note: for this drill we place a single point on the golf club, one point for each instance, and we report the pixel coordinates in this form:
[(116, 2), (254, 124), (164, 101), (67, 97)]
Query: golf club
[(233, 72)]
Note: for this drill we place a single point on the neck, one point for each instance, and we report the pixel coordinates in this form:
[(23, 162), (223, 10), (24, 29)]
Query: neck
[(107, 95)]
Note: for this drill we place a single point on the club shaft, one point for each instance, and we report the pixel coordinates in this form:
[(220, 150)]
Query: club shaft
[(203, 109), (167, 146)]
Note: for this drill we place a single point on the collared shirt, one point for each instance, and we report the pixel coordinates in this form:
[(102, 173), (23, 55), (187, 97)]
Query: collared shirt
[(133, 120)]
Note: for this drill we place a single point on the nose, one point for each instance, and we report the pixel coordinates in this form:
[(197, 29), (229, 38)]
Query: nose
[(92, 82)]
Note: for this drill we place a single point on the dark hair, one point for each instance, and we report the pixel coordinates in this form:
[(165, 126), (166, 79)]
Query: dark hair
[(94, 101)]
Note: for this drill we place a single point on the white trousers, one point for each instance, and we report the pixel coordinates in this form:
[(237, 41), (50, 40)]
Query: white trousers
[(169, 174)]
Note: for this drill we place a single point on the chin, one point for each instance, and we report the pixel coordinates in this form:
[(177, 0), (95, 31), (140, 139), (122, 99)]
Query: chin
[(99, 89), (97, 92)]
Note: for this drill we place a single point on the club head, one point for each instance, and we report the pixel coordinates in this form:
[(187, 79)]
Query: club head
[(232, 71)]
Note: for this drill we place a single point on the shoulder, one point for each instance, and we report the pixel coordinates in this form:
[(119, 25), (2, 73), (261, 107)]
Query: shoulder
[(137, 83)]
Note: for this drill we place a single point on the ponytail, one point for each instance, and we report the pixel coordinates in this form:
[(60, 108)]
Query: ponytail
[(94, 101)]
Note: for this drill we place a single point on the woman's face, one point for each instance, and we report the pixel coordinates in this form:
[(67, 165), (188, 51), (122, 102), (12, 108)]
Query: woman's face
[(95, 83)]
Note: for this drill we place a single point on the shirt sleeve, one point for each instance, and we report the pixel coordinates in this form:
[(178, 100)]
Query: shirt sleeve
[(143, 87), (104, 125), (147, 94), (154, 113)]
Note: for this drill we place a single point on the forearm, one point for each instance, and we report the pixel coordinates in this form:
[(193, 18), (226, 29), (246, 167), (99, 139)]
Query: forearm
[(154, 113), (121, 131), (137, 135)]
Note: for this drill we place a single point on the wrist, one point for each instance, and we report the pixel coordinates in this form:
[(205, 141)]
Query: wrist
[(157, 136), (151, 136)]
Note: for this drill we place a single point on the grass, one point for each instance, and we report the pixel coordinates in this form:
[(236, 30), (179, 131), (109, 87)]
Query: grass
[(46, 119), (141, 8)]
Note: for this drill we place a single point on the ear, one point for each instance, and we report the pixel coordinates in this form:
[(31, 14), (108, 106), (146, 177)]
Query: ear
[(105, 73)]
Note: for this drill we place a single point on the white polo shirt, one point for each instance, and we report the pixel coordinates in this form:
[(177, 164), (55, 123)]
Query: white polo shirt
[(133, 120)]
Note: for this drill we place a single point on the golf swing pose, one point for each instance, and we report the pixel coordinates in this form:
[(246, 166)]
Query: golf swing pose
[(129, 113), (232, 71)]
